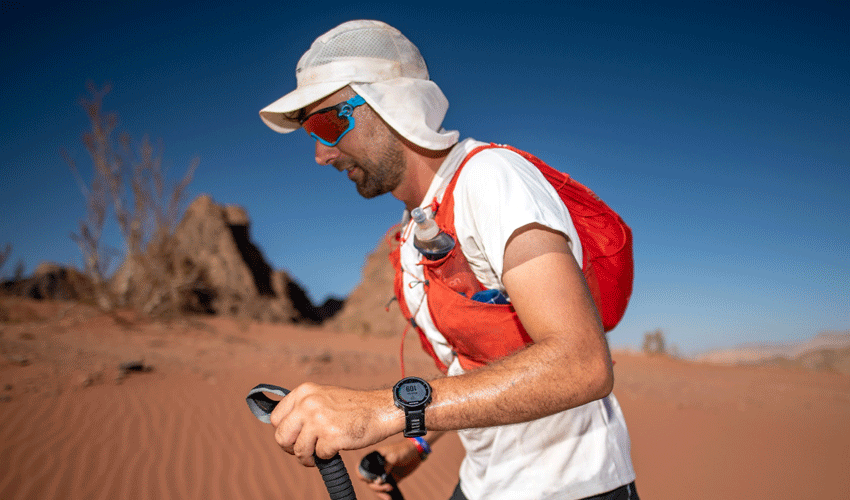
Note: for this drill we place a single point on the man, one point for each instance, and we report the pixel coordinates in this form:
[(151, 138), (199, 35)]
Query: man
[(538, 422)]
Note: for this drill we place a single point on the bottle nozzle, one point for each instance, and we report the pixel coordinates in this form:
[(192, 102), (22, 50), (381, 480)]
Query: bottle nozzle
[(418, 215)]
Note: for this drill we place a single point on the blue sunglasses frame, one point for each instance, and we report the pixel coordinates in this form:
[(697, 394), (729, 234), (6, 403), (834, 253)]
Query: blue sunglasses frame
[(345, 109)]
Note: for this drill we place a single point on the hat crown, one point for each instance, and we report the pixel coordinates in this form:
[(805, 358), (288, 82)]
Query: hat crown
[(383, 67), (365, 51)]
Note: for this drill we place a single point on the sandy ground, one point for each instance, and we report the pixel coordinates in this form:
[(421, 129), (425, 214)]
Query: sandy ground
[(73, 425)]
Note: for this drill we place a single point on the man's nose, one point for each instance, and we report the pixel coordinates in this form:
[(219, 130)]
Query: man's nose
[(325, 154)]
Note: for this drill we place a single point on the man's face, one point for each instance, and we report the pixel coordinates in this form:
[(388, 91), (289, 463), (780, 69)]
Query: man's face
[(370, 153)]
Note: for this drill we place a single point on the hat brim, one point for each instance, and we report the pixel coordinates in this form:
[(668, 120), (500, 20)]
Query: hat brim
[(274, 115)]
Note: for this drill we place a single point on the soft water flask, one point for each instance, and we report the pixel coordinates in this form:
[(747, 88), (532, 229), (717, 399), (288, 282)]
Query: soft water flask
[(427, 237), (490, 296)]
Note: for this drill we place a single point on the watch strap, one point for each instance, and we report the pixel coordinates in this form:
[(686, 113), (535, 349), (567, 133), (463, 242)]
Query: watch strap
[(414, 421)]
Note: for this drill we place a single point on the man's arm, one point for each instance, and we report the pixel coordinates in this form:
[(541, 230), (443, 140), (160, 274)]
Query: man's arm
[(568, 365)]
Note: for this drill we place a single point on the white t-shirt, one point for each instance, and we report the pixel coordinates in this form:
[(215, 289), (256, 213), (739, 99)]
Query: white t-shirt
[(577, 453)]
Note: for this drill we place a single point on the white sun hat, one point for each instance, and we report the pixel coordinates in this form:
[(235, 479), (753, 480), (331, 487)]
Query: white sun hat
[(382, 66)]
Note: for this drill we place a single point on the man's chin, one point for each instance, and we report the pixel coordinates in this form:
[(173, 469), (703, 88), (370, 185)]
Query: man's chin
[(370, 190), (369, 194)]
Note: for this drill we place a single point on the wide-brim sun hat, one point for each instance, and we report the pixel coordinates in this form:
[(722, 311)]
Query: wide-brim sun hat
[(382, 66)]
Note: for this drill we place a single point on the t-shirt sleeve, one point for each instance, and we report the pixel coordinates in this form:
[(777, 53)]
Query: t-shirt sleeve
[(497, 193)]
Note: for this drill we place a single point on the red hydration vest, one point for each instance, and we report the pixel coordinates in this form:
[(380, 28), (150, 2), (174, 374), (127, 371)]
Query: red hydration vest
[(479, 332)]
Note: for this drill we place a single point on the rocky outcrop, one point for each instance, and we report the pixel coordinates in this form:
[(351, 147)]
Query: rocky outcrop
[(52, 282), (371, 308), (209, 265), (221, 271), (230, 269)]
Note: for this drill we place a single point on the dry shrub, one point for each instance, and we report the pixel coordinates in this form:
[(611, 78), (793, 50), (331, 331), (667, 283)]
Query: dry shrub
[(128, 181), (4, 256)]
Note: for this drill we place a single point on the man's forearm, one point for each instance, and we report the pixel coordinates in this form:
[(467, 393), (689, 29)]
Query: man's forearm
[(541, 380)]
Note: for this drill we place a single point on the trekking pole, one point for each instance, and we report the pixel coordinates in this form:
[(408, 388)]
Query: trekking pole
[(333, 470), (373, 466)]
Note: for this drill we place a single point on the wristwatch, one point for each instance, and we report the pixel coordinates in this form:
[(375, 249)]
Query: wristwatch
[(412, 394)]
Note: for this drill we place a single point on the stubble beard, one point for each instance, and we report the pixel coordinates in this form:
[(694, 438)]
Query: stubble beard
[(375, 178)]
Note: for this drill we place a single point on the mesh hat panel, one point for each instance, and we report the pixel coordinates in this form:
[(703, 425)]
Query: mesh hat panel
[(363, 47)]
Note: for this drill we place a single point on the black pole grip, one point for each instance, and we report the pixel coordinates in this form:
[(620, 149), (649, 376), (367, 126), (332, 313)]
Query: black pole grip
[(373, 466), (333, 470)]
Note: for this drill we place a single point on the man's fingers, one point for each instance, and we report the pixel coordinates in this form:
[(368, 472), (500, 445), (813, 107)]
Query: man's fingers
[(305, 447), (380, 487), (287, 435), (323, 451), (284, 406)]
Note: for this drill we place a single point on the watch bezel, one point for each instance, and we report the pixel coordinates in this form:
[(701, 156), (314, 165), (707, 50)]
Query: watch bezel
[(401, 403)]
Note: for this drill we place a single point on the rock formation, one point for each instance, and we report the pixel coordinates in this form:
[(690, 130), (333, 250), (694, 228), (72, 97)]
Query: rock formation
[(52, 281), (211, 266), (220, 271), (371, 308)]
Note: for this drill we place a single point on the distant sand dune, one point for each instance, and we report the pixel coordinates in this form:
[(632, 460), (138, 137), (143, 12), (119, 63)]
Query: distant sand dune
[(750, 353)]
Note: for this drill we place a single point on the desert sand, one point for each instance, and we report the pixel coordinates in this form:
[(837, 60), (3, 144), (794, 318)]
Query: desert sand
[(174, 424)]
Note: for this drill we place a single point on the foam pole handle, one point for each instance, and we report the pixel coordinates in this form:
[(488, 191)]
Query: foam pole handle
[(333, 470), (336, 478), (373, 466)]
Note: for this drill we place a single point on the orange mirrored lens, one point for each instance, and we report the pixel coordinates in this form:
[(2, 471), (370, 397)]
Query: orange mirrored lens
[(327, 125)]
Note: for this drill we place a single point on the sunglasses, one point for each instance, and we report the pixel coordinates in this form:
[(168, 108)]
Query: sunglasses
[(329, 125)]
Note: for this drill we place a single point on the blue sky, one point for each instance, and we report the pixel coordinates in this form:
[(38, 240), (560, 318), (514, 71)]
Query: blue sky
[(720, 133)]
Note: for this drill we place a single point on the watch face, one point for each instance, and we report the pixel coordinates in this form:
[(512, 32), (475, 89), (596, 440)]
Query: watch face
[(413, 392)]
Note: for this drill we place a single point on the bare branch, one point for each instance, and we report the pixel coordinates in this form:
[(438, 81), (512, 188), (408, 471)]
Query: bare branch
[(146, 208), (4, 256)]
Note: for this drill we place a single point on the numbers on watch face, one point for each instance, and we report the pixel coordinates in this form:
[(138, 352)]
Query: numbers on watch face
[(413, 392)]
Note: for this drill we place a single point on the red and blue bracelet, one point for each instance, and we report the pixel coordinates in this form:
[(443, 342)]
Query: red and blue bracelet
[(422, 447)]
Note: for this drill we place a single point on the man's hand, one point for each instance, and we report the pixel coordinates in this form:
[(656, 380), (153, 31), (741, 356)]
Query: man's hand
[(326, 419), (401, 458)]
